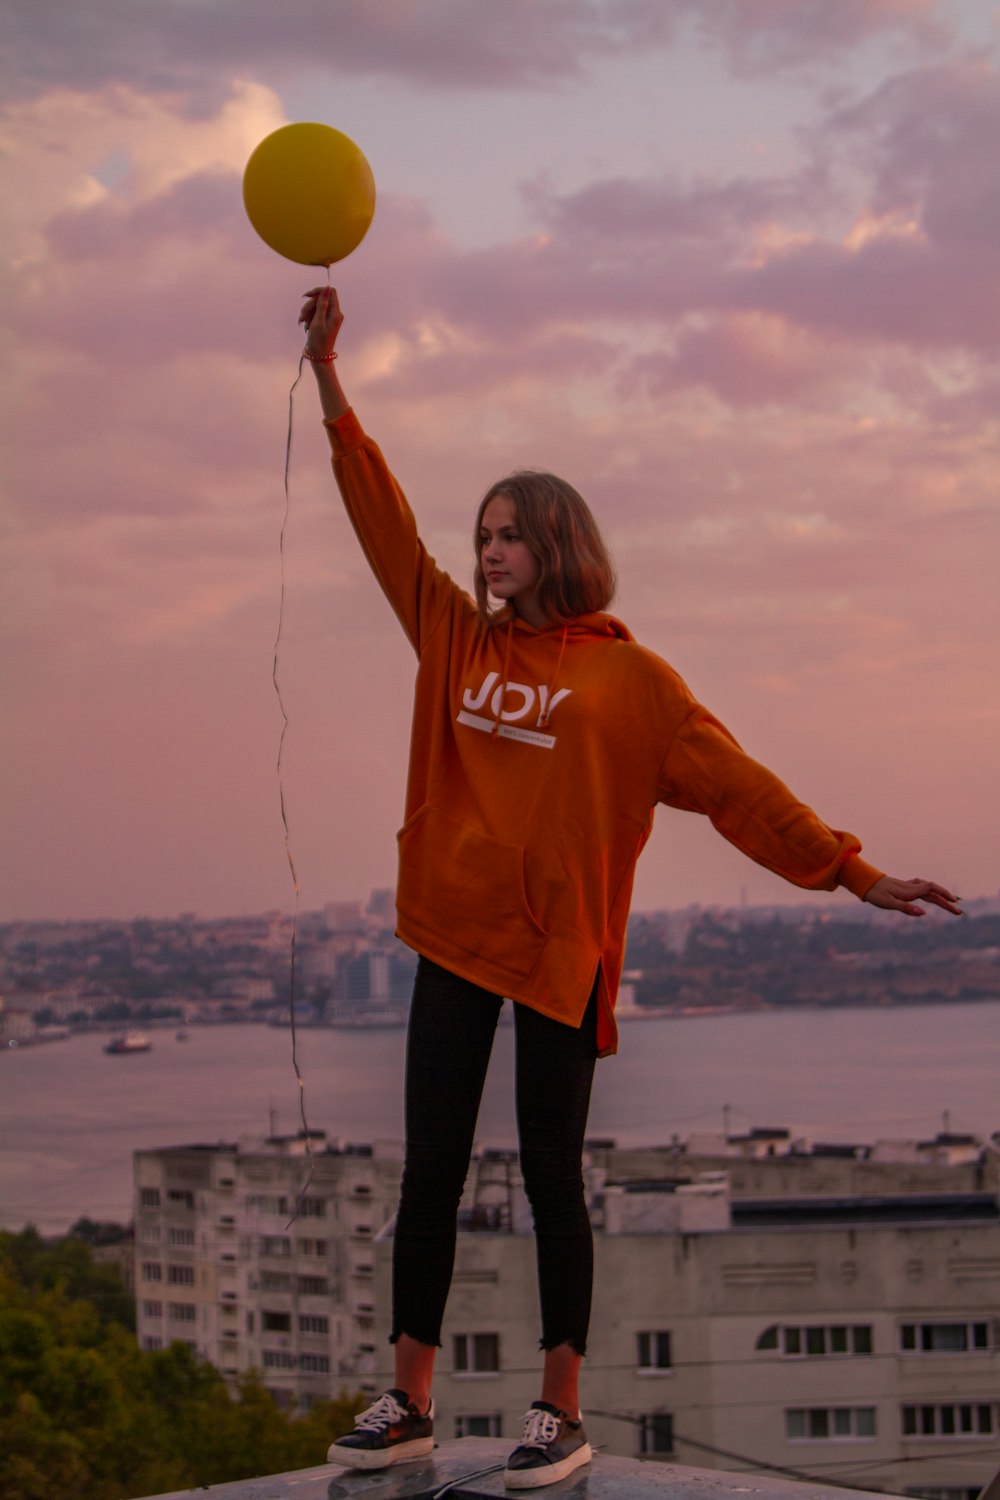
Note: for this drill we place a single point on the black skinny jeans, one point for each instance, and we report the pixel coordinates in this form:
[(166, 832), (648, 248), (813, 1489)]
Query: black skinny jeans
[(452, 1024)]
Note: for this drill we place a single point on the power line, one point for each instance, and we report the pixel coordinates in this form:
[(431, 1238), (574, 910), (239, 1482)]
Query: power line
[(763, 1464)]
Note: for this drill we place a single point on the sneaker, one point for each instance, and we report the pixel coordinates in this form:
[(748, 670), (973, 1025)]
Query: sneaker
[(389, 1431), (552, 1447)]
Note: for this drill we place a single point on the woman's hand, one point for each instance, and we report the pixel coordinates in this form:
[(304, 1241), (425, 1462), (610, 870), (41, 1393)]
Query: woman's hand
[(900, 895), (322, 316)]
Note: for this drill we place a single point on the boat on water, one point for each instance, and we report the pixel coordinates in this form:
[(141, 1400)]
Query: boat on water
[(129, 1041)]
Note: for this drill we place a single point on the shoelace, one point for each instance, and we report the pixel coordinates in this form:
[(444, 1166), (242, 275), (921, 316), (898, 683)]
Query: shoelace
[(384, 1412), (540, 1429)]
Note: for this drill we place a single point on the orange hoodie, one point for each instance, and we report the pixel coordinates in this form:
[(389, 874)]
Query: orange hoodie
[(536, 760)]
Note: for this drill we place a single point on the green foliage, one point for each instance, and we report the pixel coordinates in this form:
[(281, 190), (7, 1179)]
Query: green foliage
[(84, 1411)]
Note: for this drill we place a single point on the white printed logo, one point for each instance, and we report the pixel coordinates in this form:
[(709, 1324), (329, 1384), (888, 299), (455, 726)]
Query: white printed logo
[(510, 704)]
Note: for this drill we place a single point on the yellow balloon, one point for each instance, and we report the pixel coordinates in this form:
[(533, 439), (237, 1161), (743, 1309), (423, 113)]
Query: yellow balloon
[(309, 193)]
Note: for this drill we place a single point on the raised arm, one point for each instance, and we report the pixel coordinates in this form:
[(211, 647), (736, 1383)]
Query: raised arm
[(419, 591), (322, 316)]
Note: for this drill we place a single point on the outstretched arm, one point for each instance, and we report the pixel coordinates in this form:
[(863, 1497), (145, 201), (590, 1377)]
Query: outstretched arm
[(322, 316), (900, 895), (706, 771)]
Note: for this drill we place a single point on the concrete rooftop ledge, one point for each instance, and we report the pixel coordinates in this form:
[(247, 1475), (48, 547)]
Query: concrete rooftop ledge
[(456, 1470)]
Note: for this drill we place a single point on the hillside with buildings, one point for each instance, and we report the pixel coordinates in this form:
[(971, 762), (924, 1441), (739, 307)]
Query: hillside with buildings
[(350, 969)]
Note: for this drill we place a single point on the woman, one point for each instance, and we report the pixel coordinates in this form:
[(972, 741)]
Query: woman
[(543, 737)]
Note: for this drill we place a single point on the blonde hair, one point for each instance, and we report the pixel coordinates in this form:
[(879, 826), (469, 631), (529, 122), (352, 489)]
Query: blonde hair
[(576, 574)]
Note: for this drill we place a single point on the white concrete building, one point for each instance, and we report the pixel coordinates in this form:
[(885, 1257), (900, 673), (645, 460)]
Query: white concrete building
[(259, 1256)]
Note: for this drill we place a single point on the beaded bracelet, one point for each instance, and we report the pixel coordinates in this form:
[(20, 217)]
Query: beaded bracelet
[(319, 359)]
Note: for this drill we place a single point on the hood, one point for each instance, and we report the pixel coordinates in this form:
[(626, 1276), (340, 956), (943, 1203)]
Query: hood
[(597, 624), (582, 627)]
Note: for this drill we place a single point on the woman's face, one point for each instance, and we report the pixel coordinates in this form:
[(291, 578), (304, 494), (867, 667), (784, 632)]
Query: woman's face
[(510, 570)]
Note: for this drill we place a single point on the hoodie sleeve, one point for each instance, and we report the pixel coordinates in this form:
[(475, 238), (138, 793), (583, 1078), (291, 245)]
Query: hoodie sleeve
[(419, 591), (706, 771)]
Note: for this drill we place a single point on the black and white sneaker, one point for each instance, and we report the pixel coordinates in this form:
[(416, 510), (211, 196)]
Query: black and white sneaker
[(552, 1447), (387, 1432)]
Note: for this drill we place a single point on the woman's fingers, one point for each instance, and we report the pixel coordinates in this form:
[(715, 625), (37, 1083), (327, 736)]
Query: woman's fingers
[(900, 895), (321, 306)]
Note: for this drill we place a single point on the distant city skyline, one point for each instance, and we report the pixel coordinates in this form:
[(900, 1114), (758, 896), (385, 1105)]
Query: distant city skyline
[(733, 269)]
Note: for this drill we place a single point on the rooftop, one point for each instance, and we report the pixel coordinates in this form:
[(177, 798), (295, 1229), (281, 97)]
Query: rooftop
[(471, 1469)]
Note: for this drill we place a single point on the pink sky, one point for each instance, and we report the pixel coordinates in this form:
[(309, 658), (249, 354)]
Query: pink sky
[(731, 267)]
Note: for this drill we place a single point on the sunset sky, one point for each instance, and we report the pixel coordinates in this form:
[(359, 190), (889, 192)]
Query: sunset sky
[(730, 266)]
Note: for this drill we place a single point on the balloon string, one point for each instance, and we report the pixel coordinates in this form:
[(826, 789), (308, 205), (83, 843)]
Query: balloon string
[(284, 812)]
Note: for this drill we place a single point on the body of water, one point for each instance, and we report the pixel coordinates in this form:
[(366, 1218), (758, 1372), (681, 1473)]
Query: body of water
[(71, 1116)]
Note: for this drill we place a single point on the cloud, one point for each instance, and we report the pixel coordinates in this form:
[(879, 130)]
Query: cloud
[(191, 51), (747, 359), (451, 44), (768, 36)]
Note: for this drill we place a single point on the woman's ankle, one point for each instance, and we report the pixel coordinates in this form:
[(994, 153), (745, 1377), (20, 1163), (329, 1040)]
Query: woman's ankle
[(414, 1371)]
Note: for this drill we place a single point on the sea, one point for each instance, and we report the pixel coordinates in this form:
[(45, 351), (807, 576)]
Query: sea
[(71, 1115)]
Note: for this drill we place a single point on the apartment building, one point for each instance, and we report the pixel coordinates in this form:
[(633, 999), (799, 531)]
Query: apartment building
[(259, 1256), (854, 1339), (830, 1318)]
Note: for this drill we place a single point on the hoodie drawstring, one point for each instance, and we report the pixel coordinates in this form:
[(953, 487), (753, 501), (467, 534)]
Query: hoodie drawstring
[(543, 717), (503, 685)]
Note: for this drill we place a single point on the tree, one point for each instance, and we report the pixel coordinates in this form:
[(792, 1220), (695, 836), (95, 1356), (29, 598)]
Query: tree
[(84, 1411)]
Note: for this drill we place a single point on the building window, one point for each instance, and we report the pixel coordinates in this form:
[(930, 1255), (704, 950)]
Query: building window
[(316, 1364), (653, 1350), (480, 1424), (279, 1359), (180, 1275), (275, 1322), (948, 1420), (152, 1309), (268, 1203), (313, 1323), (150, 1341), (181, 1197), (312, 1208), (312, 1247), (312, 1286), (149, 1197), (656, 1434), (477, 1353), (275, 1281), (821, 1424), (152, 1270), (275, 1244), (149, 1234), (180, 1236), (182, 1312), (945, 1338), (822, 1341)]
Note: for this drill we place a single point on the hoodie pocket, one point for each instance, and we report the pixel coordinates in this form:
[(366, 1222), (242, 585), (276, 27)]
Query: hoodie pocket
[(466, 890)]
